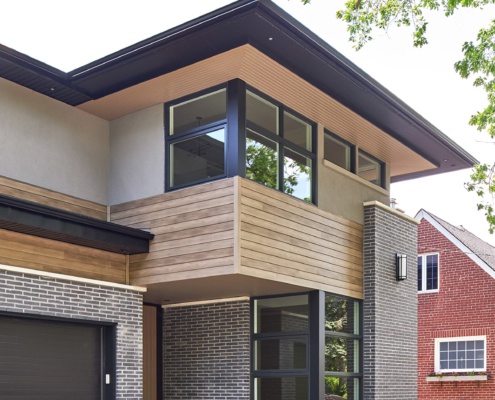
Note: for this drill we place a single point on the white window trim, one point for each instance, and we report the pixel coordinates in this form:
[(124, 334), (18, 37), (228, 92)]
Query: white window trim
[(423, 283), (457, 339)]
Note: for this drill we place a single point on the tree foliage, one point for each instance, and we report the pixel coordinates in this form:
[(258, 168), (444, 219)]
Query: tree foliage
[(478, 62)]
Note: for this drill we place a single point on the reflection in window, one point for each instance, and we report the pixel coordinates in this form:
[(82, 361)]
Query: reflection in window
[(342, 347), (297, 131), (275, 136), (261, 160), (197, 158), (297, 175), (460, 354), (261, 115), (369, 169), (198, 112), (337, 152), (283, 388)]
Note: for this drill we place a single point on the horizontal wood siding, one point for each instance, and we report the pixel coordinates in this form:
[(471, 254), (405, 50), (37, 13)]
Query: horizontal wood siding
[(288, 240), (194, 233), (36, 194), (28, 251)]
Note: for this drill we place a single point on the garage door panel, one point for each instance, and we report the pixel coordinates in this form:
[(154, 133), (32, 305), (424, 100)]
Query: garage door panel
[(52, 359)]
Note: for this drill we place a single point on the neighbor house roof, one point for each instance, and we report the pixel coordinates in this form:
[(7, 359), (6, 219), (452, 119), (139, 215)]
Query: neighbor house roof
[(269, 29), (478, 250)]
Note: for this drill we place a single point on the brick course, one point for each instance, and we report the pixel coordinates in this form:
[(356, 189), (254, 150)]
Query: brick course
[(36, 295), (206, 351), (390, 307), (462, 307)]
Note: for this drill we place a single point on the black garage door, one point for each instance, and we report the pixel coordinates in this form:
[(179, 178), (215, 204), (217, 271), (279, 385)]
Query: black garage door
[(52, 360)]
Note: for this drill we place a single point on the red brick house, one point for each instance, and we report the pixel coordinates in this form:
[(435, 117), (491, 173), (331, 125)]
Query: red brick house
[(456, 298)]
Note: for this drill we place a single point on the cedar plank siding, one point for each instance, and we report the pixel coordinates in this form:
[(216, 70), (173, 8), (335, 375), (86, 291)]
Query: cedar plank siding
[(21, 250), (237, 226), (36, 194)]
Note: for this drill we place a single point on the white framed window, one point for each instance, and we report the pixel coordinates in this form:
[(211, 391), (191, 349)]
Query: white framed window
[(460, 354), (428, 273)]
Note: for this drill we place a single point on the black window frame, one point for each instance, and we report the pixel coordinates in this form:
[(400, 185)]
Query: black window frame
[(316, 334), (352, 149), (286, 143), (171, 139), (380, 163), (354, 159)]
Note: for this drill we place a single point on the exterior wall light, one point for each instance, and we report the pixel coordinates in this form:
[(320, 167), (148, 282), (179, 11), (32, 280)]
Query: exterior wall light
[(401, 266)]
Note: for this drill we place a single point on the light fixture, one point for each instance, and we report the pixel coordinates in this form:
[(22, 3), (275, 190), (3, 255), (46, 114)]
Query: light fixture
[(401, 266)]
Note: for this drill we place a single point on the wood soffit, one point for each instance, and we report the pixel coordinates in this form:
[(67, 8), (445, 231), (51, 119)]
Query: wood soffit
[(279, 38)]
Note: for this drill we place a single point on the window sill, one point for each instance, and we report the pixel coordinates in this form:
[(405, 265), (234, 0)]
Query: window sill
[(356, 178), (457, 378)]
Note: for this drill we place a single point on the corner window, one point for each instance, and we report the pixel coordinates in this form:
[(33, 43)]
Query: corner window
[(279, 147), (196, 139), (286, 330), (281, 348), (428, 273), (343, 344), (460, 354)]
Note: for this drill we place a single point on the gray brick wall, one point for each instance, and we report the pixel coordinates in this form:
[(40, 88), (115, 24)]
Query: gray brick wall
[(390, 307), (206, 351), (32, 294)]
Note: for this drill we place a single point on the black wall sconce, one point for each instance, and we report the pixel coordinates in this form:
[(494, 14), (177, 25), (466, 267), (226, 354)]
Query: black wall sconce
[(401, 266)]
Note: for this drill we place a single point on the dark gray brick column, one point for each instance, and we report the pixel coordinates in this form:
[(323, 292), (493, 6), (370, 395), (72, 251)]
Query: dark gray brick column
[(206, 351), (390, 306), (38, 295)]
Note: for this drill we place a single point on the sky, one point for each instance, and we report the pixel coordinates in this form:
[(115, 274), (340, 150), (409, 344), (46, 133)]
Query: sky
[(68, 34)]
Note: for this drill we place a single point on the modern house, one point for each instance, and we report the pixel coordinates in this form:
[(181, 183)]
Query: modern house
[(456, 335), (204, 215)]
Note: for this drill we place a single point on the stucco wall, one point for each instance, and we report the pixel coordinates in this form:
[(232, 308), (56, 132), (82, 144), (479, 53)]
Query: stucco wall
[(47, 143), (137, 155)]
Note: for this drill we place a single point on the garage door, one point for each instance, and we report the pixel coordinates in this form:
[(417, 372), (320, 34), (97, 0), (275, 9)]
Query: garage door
[(52, 360)]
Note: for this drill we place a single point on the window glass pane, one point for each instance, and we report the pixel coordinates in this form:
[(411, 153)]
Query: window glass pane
[(337, 388), (432, 272), (462, 355), (286, 388), (261, 160), (420, 274), (281, 314), (197, 158), (261, 115), (337, 152), (297, 175), (198, 112), (341, 354), (369, 169), (341, 315), (297, 131), (281, 353)]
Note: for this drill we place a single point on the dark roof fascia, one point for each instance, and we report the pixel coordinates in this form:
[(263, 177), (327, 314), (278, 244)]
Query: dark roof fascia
[(51, 223), (38, 76), (315, 61)]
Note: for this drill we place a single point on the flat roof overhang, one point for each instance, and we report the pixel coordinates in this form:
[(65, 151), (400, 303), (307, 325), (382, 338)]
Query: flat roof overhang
[(51, 223), (266, 27)]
